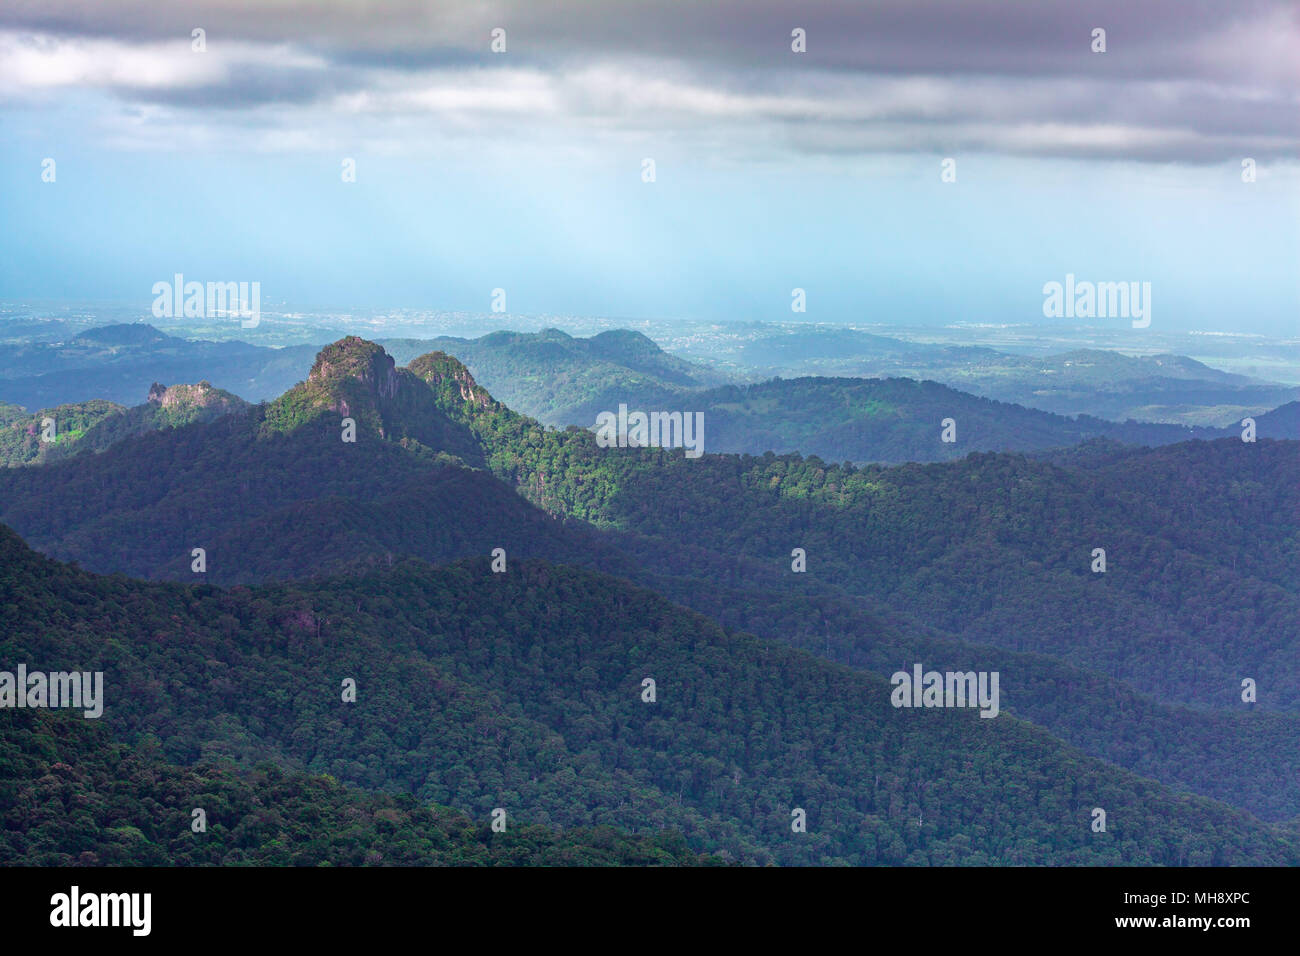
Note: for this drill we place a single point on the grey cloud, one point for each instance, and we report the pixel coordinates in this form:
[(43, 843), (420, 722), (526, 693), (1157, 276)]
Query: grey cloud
[(1188, 80), (251, 87), (1153, 38)]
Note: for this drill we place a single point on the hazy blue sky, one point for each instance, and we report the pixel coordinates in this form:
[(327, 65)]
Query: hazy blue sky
[(522, 170)]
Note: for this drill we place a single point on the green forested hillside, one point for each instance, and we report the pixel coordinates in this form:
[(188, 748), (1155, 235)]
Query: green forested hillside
[(1200, 540), (95, 425), (72, 795), (984, 560), (524, 690), (22, 439)]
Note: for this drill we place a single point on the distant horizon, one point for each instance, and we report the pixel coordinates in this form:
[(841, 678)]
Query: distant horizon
[(305, 310), (935, 160), (1266, 357)]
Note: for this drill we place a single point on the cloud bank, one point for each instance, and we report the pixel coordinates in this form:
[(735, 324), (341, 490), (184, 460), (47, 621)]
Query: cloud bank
[(1180, 80)]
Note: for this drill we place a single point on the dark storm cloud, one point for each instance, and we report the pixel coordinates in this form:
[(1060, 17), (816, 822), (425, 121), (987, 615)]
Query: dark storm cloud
[(1153, 38), (1181, 79)]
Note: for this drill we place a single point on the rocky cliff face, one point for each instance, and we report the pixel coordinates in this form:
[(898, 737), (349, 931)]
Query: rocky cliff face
[(352, 361), (200, 396)]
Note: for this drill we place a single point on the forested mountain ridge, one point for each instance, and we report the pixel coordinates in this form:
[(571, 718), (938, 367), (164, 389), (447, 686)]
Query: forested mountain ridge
[(1281, 422), (998, 548), (525, 690), (896, 420), (563, 380), (286, 502), (1194, 526), (95, 425)]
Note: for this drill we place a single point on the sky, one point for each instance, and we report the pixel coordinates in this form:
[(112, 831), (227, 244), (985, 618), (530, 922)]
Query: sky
[(524, 169)]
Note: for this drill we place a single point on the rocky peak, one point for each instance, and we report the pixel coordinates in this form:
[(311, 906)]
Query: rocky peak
[(188, 396), (354, 360), (448, 376)]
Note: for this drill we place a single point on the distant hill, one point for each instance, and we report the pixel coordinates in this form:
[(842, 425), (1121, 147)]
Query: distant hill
[(1155, 388), (125, 333), (1171, 389), (15, 331), (789, 350), (1282, 422), (565, 380), (562, 380), (118, 363), (894, 420)]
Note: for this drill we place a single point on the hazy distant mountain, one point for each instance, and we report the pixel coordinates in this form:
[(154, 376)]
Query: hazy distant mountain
[(788, 351), (21, 330), (1282, 422), (123, 334), (1154, 388), (562, 380), (1104, 384), (894, 420), (120, 362)]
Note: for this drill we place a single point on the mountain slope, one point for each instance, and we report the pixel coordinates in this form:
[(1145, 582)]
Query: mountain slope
[(22, 440), (1281, 422), (893, 420), (72, 795), (999, 549), (715, 534), (523, 690), (95, 425)]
